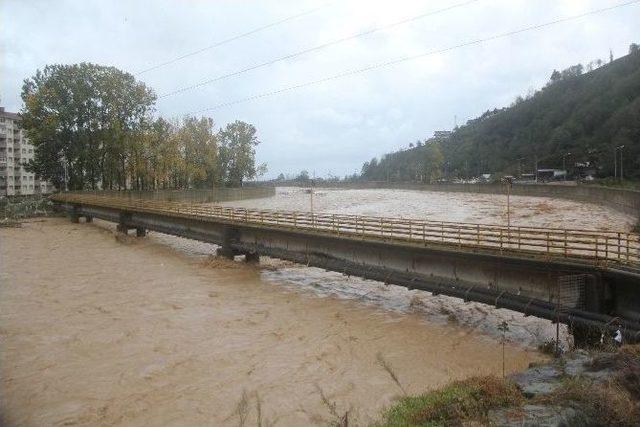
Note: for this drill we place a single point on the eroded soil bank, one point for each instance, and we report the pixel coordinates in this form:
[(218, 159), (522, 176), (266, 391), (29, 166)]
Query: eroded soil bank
[(96, 330)]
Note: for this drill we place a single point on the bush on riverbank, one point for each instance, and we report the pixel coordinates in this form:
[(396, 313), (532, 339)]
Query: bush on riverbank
[(468, 400), (608, 404), (15, 209), (603, 390)]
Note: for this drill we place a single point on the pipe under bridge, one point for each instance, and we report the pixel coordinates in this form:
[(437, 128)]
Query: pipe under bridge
[(587, 279)]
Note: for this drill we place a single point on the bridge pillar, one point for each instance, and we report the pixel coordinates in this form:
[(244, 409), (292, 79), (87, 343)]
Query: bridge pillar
[(122, 228), (252, 257), (229, 235), (74, 214), (141, 232), (88, 219)]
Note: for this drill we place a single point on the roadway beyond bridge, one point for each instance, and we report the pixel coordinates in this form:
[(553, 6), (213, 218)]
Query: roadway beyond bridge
[(586, 279)]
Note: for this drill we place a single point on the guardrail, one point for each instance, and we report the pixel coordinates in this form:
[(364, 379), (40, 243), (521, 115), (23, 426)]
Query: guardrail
[(597, 246)]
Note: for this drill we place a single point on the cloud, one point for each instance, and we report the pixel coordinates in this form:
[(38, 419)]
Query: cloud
[(333, 126)]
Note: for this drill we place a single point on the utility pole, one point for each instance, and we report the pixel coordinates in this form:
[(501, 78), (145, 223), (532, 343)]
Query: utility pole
[(621, 169), (520, 166), (564, 166), (509, 205), (615, 163), (311, 190)]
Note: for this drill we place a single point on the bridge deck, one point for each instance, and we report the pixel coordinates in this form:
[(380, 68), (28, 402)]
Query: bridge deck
[(597, 247)]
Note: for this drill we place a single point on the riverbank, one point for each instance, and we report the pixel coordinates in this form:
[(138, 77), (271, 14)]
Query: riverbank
[(581, 388), (154, 331)]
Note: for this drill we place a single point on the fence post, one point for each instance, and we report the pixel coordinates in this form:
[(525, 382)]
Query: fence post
[(548, 243), (618, 248)]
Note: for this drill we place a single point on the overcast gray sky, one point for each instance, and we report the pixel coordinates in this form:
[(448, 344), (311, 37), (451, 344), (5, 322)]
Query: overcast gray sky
[(331, 127)]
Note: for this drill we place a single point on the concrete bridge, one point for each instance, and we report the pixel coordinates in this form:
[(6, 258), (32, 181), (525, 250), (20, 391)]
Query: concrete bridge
[(584, 278)]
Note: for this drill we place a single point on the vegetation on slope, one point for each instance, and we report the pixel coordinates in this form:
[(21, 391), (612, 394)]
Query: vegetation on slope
[(613, 401), (585, 114), (460, 401)]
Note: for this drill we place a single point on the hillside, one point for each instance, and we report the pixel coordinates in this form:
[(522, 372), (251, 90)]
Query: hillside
[(586, 114)]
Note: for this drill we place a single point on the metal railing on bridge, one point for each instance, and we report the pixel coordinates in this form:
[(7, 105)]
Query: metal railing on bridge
[(601, 247)]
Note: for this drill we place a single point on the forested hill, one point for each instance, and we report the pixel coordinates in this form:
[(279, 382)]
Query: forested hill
[(585, 111)]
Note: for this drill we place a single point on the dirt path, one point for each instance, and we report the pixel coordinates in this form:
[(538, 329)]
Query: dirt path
[(98, 331)]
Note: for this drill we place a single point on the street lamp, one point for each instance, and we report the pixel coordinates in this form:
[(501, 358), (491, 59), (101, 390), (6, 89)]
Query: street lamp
[(563, 165), (520, 160), (615, 153)]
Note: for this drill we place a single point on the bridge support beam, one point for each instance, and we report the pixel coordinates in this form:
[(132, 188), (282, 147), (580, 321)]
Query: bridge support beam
[(124, 225), (252, 257), (74, 214), (229, 236), (121, 228)]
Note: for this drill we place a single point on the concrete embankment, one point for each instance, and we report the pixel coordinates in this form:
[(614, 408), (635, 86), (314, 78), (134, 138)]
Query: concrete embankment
[(214, 195)]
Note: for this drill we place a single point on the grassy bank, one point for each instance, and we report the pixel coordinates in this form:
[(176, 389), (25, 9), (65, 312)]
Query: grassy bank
[(461, 401), (15, 209), (613, 400)]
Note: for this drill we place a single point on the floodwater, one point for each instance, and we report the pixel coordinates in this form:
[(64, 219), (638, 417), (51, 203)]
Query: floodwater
[(99, 330), (456, 207)]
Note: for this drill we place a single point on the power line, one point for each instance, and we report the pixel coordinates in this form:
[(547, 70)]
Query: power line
[(315, 48), (230, 39), (411, 57)]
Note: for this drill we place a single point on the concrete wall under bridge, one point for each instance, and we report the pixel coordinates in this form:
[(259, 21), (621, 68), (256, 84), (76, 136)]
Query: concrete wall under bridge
[(584, 295)]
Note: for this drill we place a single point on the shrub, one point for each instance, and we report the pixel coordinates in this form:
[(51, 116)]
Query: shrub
[(460, 401)]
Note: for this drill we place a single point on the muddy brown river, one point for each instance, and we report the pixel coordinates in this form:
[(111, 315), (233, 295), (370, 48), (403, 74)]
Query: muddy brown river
[(96, 330)]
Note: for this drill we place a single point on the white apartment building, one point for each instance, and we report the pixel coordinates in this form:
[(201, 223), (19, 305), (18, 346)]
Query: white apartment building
[(15, 152)]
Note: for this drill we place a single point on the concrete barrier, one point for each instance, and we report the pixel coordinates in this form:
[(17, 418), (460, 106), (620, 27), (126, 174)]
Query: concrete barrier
[(214, 195)]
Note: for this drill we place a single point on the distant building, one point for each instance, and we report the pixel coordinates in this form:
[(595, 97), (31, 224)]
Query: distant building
[(442, 134), (585, 170), (15, 152), (551, 174)]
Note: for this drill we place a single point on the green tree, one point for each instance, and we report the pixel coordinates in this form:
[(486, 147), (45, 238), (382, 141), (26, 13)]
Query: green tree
[(199, 144), (237, 153), (83, 120), (433, 161)]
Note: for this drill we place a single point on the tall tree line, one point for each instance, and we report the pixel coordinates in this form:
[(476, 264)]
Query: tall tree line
[(93, 128)]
